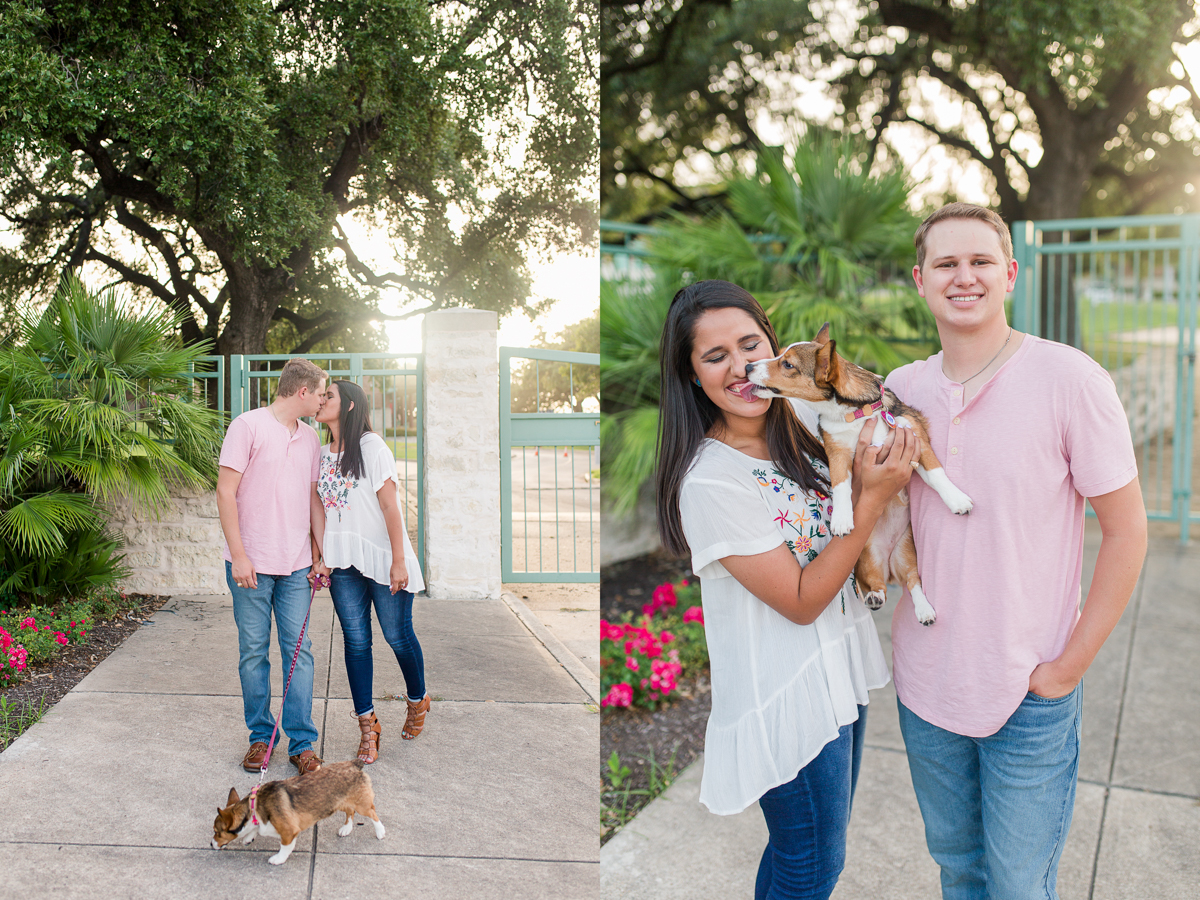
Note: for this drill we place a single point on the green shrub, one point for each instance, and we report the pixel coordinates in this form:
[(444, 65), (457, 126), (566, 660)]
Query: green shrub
[(94, 406)]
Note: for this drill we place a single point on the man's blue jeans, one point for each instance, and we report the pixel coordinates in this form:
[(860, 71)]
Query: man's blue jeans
[(353, 595), (807, 820), (288, 596), (997, 809)]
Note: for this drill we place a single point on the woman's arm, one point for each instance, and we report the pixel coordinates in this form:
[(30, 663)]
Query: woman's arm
[(801, 594), (394, 519)]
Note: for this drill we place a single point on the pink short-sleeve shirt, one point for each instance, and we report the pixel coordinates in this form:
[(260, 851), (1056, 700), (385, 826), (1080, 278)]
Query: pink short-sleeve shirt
[(1046, 431), (278, 470)]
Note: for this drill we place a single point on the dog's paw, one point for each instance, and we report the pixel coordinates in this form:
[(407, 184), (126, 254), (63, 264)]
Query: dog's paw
[(842, 521), (959, 503), (251, 836), (925, 613), (346, 829), (379, 829), (278, 859), (874, 599)]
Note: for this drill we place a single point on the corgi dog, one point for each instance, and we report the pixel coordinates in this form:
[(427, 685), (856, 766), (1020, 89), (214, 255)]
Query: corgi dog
[(843, 396), (283, 809)]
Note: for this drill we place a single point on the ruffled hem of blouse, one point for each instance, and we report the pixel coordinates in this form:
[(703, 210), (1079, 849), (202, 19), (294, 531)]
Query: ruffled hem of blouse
[(767, 747), (343, 550)]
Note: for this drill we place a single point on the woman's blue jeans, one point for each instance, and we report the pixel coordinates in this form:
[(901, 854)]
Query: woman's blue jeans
[(807, 820), (353, 594), (997, 809)]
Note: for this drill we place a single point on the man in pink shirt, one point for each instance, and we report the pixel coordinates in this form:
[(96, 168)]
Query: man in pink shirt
[(266, 491), (990, 695)]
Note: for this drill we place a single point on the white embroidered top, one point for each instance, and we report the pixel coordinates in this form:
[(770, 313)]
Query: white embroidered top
[(355, 531), (780, 691)]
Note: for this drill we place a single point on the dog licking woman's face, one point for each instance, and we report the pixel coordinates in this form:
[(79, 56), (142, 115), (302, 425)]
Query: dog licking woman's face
[(723, 341)]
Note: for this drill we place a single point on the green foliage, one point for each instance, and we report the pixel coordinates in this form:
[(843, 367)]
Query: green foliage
[(621, 801), (1072, 108), (815, 237), (222, 157), (93, 407), (545, 385)]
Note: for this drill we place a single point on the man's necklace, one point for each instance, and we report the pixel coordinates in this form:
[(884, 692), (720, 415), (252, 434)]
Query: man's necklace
[(990, 361)]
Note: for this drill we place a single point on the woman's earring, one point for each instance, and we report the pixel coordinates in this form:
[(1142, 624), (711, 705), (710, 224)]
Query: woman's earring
[(697, 382)]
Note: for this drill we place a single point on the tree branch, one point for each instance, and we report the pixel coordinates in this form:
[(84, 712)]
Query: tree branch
[(158, 241)]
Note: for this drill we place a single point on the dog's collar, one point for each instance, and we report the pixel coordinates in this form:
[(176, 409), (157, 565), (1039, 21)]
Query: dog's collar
[(869, 409), (253, 814)]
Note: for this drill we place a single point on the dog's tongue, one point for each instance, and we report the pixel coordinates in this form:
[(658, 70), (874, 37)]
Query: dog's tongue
[(747, 391)]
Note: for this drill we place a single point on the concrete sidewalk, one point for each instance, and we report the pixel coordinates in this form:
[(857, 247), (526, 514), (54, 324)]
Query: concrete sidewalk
[(1136, 830), (113, 793)]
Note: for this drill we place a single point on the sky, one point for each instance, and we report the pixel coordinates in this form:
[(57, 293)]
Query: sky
[(573, 279)]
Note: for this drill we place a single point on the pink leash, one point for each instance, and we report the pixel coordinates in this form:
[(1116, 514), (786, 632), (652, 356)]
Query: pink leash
[(319, 581)]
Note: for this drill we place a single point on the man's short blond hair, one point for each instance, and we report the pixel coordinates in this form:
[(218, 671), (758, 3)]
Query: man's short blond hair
[(299, 373), (963, 211)]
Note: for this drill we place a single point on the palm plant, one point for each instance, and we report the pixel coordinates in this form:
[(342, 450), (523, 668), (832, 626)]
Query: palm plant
[(94, 405), (813, 236)]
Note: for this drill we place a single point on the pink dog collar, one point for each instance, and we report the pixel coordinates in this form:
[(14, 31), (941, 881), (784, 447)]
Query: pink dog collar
[(870, 409)]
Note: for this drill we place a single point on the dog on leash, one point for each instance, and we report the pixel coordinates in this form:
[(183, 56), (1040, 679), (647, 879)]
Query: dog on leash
[(283, 809), (843, 396)]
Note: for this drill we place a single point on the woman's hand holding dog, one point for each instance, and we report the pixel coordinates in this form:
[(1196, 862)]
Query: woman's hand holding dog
[(882, 472)]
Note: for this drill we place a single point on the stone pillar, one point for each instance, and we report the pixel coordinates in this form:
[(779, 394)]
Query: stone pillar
[(462, 455)]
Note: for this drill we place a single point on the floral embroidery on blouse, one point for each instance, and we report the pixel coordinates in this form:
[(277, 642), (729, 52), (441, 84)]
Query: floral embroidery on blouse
[(333, 487), (802, 528)]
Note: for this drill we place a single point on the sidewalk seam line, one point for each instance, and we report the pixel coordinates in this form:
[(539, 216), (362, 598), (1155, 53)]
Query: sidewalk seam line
[(579, 673)]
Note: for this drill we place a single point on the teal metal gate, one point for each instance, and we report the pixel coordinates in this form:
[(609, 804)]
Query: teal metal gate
[(549, 466), (1124, 290), (394, 386)]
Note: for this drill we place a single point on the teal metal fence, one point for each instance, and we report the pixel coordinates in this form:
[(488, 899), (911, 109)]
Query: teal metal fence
[(394, 385), (549, 465), (1124, 290), (209, 385)]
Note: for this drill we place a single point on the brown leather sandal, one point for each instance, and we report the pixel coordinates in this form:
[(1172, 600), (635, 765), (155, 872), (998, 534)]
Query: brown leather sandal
[(416, 718), (368, 744)]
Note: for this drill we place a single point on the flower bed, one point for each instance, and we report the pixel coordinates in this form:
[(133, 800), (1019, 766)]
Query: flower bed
[(654, 666), (641, 663), (37, 634)]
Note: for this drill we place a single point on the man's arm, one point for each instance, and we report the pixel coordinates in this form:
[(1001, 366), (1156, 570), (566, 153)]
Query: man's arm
[(227, 484), (1122, 517), (316, 511)]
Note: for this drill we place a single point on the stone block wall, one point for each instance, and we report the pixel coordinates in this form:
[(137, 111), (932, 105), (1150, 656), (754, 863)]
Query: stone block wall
[(177, 553), (462, 455)]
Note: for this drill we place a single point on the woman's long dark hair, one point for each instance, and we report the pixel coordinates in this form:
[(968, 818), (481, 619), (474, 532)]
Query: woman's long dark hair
[(352, 425), (686, 414)]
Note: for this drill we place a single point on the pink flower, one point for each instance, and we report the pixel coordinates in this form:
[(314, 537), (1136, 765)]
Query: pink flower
[(620, 694), (631, 663), (694, 614), (60, 637), (666, 637), (29, 623)]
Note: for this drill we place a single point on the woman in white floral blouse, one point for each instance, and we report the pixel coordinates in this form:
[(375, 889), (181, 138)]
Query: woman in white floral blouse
[(364, 542), (743, 490)]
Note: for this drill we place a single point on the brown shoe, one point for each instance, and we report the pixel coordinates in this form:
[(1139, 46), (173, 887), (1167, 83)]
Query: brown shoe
[(416, 718), (253, 760), (306, 762), (368, 744)]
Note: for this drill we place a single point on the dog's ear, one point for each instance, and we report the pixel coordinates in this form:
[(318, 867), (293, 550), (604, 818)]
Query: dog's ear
[(233, 797), (822, 335), (827, 371)]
